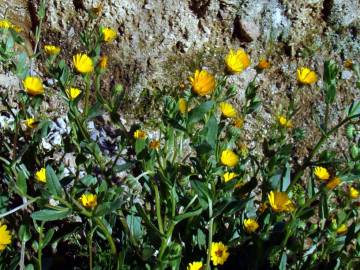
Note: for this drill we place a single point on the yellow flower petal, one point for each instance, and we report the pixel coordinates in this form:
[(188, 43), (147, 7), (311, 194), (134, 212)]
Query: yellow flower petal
[(229, 176), (41, 175), (353, 193), (219, 253), (88, 200), (195, 266), (250, 225), (33, 85), (5, 237), (229, 158), (227, 110), (280, 202), (108, 34), (83, 63), (139, 134), (72, 93), (306, 76), (237, 61), (321, 173), (51, 49), (182, 104), (203, 83)]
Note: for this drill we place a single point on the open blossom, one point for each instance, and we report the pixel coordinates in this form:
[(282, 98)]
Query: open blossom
[(203, 83), (83, 63), (51, 49), (306, 76), (237, 61), (227, 110), (263, 64), (229, 158), (342, 229), (250, 225), (280, 202), (33, 85), (40, 175), (229, 176), (154, 144), (139, 134), (195, 266), (72, 93), (219, 253), (5, 237), (284, 122), (321, 173), (31, 123), (353, 193), (108, 34), (88, 200)]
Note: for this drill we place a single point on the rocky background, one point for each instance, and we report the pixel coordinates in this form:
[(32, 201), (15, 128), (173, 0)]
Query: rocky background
[(161, 42)]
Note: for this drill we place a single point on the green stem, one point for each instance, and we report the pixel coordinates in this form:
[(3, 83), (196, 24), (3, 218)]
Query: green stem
[(316, 148), (40, 245), (90, 244), (87, 94), (166, 240), (108, 236), (158, 208), (211, 225)]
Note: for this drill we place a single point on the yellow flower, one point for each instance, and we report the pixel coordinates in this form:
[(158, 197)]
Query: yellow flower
[(306, 76), (33, 86), (250, 225), (182, 104), (88, 200), (195, 266), (333, 183), (103, 62), (5, 24), (83, 63), (348, 63), (263, 64), (342, 229), (41, 175), (51, 49), (203, 83), (227, 110), (237, 61), (229, 158), (219, 253), (72, 93), (154, 144), (5, 237), (238, 122), (139, 134), (353, 193), (229, 176), (108, 34), (286, 123), (280, 202), (31, 123), (321, 173)]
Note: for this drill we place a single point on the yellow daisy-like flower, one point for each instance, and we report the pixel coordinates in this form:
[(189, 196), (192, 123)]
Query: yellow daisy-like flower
[(237, 61), (5, 237), (219, 253), (280, 202), (263, 64), (139, 134), (154, 144), (348, 63), (83, 63), (182, 104), (41, 175), (33, 85), (5, 24), (227, 110), (306, 76), (72, 93), (353, 193), (103, 62), (333, 183), (286, 123), (203, 83), (195, 266), (250, 225), (108, 34), (229, 158), (51, 49), (342, 229), (229, 176), (88, 200), (321, 173), (31, 123)]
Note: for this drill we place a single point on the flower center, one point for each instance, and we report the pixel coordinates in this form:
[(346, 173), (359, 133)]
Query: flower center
[(219, 253)]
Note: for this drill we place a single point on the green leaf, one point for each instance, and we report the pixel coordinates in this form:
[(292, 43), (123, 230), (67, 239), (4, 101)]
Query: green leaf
[(50, 215), (21, 182), (146, 219), (52, 181), (198, 112), (140, 145), (330, 73), (48, 236), (212, 131), (283, 261), (88, 180), (186, 215), (203, 192)]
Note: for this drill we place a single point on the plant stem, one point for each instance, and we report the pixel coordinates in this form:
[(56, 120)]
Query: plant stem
[(87, 94), (108, 236), (90, 243), (158, 208), (18, 208), (211, 225), (40, 245)]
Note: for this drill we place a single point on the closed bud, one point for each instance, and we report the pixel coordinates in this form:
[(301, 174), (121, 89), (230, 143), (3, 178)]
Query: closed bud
[(354, 151), (350, 131)]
